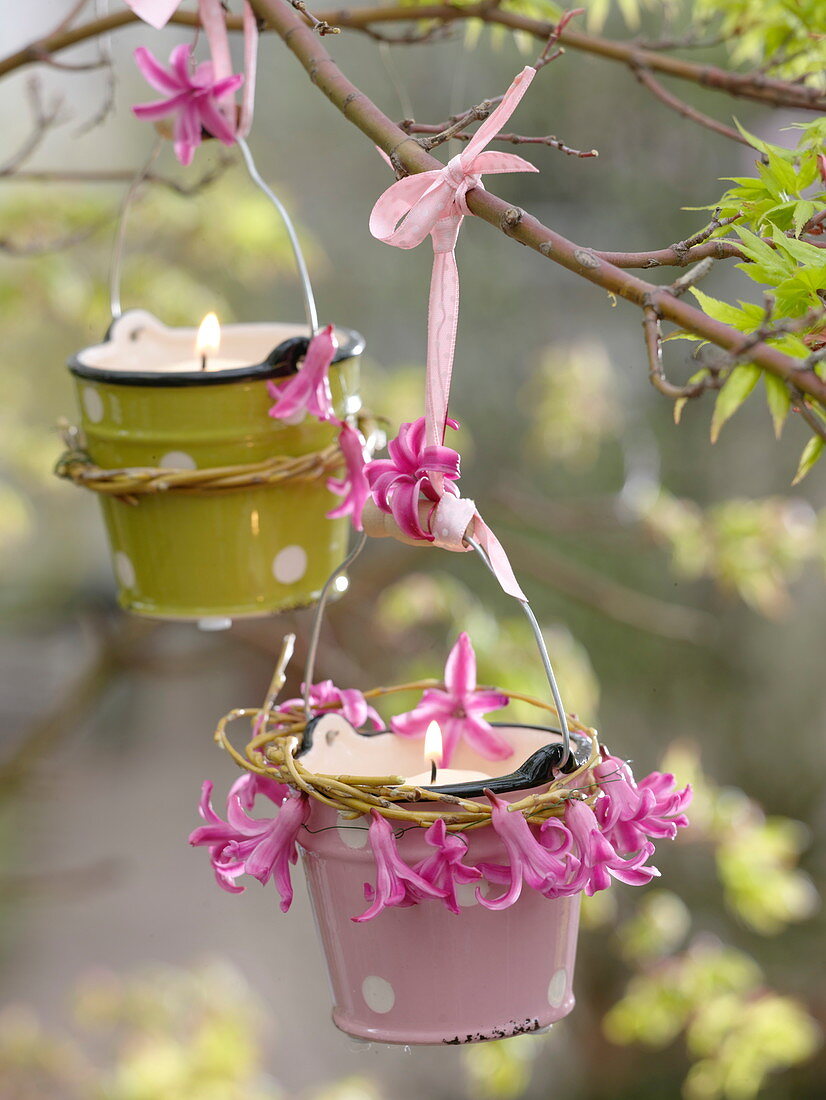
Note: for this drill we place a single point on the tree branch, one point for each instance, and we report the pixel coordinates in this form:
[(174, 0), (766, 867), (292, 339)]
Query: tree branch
[(407, 152), (685, 109), (756, 86)]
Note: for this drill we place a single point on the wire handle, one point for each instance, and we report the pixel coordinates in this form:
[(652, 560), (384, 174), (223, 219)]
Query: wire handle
[(318, 617), (118, 248)]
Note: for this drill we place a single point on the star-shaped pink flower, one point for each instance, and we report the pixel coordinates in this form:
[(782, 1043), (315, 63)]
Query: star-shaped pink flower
[(193, 97), (458, 709)]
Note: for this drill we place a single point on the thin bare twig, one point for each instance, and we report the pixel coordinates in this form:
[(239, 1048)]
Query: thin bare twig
[(54, 244), (320, 26), (70, 16), (410, 126), (518, 225), (45, 117), (126, 175), (689, 278), (652, 330), (645, 78), (456, 124), (800, 406), (550, 51), (435, 32)]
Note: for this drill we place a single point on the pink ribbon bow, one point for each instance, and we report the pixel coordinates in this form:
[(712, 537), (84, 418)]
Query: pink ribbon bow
[(435, 203), (157, 14)]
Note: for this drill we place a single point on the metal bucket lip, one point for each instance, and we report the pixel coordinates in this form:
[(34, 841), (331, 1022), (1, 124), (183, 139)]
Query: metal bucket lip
[(525, 777), (351, 347)]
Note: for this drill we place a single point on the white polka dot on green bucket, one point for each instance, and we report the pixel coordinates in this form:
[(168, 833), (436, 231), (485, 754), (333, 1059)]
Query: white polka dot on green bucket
[(378, 994), (556, 988), (178, 460), (124, 569), (92, 404), (290, 564)]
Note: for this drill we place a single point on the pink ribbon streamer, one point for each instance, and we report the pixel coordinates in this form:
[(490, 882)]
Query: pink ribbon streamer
[(157, 14), (435, 203)]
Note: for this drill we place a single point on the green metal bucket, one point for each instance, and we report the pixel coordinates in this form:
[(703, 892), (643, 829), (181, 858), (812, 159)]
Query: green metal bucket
[(215, 555)]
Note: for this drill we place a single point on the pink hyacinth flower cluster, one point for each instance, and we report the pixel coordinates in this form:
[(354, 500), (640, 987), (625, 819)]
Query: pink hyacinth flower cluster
[(630, 813), (261, 847), (193, 98), (398, 885), (543, 866), (458, 709), (325, 696), (399, 482)]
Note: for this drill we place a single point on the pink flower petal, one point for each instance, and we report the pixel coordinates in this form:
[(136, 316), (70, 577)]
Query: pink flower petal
[(460, 670), (155, 74), (397, 884)]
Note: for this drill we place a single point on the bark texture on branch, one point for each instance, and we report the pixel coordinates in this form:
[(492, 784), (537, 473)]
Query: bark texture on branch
[(523, 227), (756, 86)]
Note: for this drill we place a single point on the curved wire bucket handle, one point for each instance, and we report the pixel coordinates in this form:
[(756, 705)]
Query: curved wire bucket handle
[(318, 618), (116, 264)]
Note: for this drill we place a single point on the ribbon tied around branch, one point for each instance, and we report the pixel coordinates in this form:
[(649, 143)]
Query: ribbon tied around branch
[(435, 203)]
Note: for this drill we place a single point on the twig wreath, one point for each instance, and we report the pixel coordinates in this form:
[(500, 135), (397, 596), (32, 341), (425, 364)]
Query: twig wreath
[(76, 466), (271, 752)]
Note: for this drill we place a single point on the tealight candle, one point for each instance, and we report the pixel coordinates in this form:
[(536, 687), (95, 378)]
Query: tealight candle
[(437, 776)]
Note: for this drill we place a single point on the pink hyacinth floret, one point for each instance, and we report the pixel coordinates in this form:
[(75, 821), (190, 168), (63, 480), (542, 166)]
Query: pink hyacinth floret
[(193, 97), (544, 864), (630, 813), (445, 869), (397, 884), (353, 487), (248, 786), (261, 847), (400, 481), (308, 390), (599, 861), (325, 696), (459, 709)]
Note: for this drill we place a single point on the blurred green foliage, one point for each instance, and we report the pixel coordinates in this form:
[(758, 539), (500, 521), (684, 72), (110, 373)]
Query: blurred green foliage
[(737, 1031), (199, 1035), (193, 1034)]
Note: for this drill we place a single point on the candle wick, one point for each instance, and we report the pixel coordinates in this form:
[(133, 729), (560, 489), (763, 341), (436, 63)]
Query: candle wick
[(203, 362), (432, 771)]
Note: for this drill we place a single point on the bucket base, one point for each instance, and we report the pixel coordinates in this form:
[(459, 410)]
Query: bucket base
[(444, 1037), (196, 615)]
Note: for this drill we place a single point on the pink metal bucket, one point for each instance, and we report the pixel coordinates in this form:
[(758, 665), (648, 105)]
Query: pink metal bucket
[(423, 974)]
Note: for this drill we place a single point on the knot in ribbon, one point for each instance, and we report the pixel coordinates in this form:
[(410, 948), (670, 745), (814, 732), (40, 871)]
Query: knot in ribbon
[(435, 203)]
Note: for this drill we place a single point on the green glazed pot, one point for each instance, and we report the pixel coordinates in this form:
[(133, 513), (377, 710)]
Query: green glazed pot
[(230, 554)]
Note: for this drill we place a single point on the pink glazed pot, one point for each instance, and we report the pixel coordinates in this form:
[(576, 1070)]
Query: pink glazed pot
[(423, 974)]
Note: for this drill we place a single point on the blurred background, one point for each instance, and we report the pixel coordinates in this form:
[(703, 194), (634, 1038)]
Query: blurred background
[(680, 585)]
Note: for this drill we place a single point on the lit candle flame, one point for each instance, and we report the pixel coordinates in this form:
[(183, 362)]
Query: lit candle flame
[(433, 744), (208, 340)]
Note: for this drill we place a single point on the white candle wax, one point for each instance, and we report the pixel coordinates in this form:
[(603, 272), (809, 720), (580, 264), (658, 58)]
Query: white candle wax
[(444, 776), (212, 363), (139, 343)]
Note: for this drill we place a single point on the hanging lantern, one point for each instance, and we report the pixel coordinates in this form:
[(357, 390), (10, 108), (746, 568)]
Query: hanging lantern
[(446, 883), (216, 502), (212, 507)]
